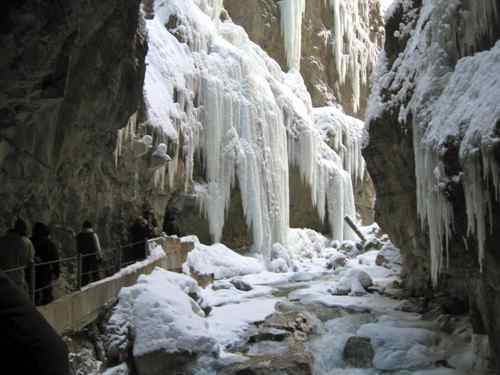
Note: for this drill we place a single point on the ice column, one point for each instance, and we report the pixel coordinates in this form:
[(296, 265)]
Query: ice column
[(292, 12), (353, 50)]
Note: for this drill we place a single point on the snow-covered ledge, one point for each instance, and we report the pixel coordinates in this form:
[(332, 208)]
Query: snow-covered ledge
[(73, 312)]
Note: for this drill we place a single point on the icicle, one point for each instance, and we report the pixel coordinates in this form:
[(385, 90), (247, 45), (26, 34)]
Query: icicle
[(435, 212), (353, 50), (249, 121), (123, 135), (292, 12)]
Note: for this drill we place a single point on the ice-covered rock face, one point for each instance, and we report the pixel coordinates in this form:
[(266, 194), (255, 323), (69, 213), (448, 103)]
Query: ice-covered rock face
[(449, 99), (433, 106), (333, 43), (210, 86)]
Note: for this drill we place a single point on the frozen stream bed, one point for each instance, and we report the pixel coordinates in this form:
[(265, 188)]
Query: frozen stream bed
[(335, 308)]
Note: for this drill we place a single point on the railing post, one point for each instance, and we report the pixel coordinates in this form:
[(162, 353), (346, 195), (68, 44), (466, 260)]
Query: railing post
[(32, 281), (78, 271), (120, 255)]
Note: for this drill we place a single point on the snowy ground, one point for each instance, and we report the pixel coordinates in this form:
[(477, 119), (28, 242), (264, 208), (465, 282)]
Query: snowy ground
[(170, 312)]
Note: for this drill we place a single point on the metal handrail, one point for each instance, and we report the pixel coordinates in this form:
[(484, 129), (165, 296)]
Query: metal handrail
[(31, 268)]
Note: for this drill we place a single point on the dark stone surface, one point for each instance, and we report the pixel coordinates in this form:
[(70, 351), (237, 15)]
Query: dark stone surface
[(358, 352), (71, 76)]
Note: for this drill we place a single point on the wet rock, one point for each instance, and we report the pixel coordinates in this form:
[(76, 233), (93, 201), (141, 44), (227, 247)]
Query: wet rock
[(82, 357), (388, 257), (269, 334), (286, 364), (241, 285), (373, 244), (350, 249), (161, 362), (318, 310), (292, 321), (358, 352), (414, 305), (456, 306), (336, 262)]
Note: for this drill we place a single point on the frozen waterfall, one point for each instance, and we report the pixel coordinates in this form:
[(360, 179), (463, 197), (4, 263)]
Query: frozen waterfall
[(216, 93)]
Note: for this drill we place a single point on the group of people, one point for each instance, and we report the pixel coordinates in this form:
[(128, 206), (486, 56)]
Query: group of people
[(19, 252)]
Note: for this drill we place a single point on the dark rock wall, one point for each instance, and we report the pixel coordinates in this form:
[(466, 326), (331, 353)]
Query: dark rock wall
[(391, 162), (71, 75)]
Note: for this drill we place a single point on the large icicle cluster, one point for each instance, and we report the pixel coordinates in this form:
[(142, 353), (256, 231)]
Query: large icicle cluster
[(220, 95), (449, 105), (354, 52), (292, 12), (345, 134)]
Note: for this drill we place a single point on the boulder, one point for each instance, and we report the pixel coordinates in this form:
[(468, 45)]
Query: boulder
[(284, 364), (269, 334), (241, 285), (354, 282), (358, 352), (388, 257), (162, 362)]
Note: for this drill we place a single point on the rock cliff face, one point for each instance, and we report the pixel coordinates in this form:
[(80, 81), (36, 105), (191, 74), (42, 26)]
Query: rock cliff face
[(71, 76), (433, 151), (75, 111), (359, 29)]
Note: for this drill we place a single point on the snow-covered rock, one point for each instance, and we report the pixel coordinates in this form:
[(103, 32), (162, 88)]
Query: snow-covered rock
[(354, 282), (241, 284), (336, 261), (400, 347), (168, 325), (220, 261), (389, 257)]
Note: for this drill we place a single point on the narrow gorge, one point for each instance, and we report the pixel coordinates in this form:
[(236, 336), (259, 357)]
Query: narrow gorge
[(331, 165)]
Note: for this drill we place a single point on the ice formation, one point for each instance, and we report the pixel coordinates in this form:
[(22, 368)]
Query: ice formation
[(449, 103), (345, 135), (353, 50), (292, 12), (220, 96)]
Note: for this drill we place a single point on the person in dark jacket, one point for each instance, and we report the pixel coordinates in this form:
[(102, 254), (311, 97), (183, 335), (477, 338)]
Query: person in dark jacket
[(88, 246), (45, 251), (28, 344), (139, 232), (16, 252)]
